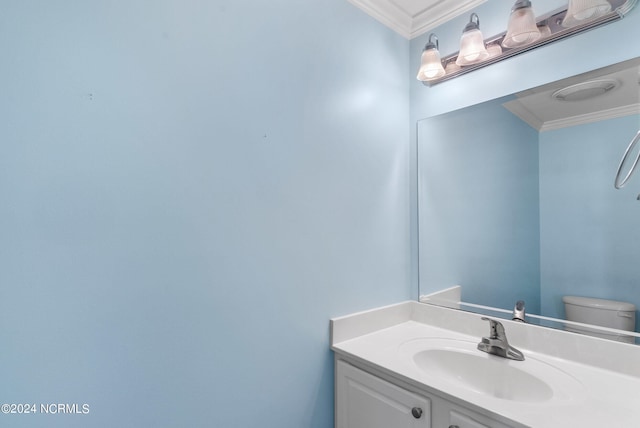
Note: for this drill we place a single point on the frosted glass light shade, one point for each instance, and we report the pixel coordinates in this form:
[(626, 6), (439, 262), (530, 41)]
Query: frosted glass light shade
[(522, 29), (430, 65), (472, 49), (580, 11)]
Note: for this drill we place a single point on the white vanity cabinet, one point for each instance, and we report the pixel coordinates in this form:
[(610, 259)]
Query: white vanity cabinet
[(365, 400)]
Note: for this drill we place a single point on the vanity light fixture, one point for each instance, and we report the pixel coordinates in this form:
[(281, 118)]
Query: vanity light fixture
[(472, 48), (430, 64), (580, 11), (524, 33), (522, 29)]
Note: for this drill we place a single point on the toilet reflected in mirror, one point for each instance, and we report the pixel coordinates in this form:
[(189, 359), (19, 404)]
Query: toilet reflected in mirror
[(600, 312)]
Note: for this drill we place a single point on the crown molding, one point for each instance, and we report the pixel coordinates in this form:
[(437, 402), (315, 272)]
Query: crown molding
[(440, 13), (412, 18)]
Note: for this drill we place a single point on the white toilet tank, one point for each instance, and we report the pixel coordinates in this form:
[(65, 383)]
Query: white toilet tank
[(606, 313)]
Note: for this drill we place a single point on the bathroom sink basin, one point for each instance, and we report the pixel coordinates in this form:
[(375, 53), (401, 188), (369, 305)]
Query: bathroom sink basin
[(460, 365), (484, 374)]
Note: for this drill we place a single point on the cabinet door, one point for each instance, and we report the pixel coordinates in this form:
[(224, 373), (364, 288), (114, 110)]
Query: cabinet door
[(366, 401)]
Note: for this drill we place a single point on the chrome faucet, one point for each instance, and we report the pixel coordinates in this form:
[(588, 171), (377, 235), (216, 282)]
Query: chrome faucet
[(496, 343), (518, 311)]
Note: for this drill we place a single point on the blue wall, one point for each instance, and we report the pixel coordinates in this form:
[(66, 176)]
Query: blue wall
[(190, 190), (590, 239), (478, 193)]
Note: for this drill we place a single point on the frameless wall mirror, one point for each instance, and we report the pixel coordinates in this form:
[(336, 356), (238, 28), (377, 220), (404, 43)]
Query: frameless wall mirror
[(517, 202)]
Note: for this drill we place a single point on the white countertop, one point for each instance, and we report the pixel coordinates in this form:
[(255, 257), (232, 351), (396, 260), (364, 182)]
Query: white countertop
[(605, 375)]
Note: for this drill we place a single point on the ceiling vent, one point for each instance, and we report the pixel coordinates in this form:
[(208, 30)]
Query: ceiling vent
[(586, 90)]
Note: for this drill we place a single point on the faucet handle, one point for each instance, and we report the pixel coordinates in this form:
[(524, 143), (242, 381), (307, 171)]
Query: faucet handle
[(496, 329), (497, 343)]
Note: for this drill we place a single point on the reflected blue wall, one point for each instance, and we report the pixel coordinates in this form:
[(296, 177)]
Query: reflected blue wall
[(590, 239), (189, 190), (480, 200), (478, 193)]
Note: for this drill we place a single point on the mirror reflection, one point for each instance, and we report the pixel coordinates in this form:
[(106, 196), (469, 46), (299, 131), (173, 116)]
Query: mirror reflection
[(517, 203)]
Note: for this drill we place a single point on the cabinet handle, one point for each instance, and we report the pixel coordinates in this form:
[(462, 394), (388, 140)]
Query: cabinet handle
[(454, 426), (416, 412)]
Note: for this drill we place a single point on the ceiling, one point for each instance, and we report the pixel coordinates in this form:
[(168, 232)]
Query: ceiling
[(542, 111), (412, 18)]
